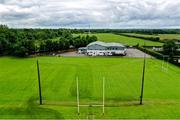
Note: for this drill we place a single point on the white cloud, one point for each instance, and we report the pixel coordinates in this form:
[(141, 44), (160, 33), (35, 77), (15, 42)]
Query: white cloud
[(97, 13)]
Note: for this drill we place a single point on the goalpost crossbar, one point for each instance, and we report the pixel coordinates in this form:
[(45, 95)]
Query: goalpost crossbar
[(93, 105)]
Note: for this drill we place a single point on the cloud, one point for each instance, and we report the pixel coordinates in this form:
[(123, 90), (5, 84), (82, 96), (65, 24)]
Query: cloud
[(96, 13)]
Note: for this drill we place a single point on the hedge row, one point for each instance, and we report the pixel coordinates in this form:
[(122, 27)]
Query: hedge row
[(156, 39), (151, 52), (157, 55)]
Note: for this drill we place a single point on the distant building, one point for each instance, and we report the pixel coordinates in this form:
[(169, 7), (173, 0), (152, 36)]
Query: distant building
[(99, 48), (177, 43)]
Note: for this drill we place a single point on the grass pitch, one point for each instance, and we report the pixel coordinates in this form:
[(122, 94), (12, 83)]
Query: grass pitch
[(19, 88)]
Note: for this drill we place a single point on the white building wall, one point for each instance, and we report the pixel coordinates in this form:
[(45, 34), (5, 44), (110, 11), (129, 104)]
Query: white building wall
[(105, 52)]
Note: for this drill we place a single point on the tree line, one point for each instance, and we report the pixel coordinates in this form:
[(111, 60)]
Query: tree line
[(24, 42), (139, 31), (64, 43), (156, 39)]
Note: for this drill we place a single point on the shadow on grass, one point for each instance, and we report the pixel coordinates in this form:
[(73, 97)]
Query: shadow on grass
[(123, 98), (32, 111), (122, 101)]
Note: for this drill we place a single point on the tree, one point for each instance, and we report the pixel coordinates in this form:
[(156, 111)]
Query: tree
[(65, 42), (49, 45), (93, 38), (170, 48), (29, 45), (20, 50), (3, 43), (21, 42), (42, 46), (61, 45), (3, 27)]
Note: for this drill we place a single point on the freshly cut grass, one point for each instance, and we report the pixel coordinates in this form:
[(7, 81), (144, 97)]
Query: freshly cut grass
[(169, 36), (109, 37), (161, 36), (19, 88)]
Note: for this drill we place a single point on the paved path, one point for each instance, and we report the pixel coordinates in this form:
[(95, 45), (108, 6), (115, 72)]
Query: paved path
[(72, 54), (135, 53)]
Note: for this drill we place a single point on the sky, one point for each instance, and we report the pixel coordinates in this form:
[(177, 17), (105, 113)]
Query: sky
[(90, 13)]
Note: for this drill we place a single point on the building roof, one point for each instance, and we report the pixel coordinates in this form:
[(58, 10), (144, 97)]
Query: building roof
[(112, 44), (177, 43), (82, 48)]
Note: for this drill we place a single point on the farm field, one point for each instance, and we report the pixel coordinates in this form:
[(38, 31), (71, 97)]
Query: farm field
[(169, 36), (161, 36), (19, 88), (109, 37)]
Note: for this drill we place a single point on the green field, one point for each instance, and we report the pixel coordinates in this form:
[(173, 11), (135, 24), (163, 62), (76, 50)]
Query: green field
[(161, 36), (109, 37), (169, 36), (19, 88)]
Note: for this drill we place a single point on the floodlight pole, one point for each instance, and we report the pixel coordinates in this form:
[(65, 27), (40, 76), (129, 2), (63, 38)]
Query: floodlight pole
[(39, 82), (103, 93), (167, 65), (163, 63), (89, 30), (143, 76), (77, 82)]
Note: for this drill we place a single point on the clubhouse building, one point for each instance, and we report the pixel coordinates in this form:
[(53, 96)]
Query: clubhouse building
[(99, 48)]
